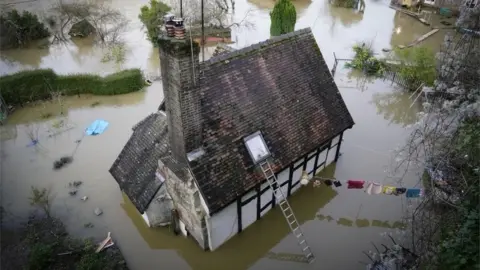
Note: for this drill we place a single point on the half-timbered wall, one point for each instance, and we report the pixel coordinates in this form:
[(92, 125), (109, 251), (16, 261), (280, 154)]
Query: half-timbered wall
[(258, 201)]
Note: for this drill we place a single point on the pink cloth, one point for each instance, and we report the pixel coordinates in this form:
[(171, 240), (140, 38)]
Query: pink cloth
[(355, 184)]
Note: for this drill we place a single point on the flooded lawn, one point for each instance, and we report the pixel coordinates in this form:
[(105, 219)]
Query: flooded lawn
[(339, 223)]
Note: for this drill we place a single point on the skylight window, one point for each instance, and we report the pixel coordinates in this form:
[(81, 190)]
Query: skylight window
[(257, 148)]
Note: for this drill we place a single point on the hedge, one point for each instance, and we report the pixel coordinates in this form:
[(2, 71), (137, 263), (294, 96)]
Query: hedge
[(33, 85)]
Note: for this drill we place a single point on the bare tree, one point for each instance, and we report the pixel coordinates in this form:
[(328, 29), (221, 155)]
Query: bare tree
[(216, 12), (443, 225), (108, 23)]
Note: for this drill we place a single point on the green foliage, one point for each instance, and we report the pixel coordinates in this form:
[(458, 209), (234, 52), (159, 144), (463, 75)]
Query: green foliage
[(40, 256), (365, 60), (33, 85), (345, 3), (91, 260), (116, 53), (459, 249), (417, 65), (283, 18), (17, 29), (41, 198), (152, 18), (460, 239)]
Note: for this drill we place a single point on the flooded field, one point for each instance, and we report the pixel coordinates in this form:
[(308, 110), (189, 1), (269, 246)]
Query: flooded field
[(339, 224)]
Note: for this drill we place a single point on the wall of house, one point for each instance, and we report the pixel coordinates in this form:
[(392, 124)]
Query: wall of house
[(454, 5), (159, 210), (258, 201), (188, 202), (223, 226)]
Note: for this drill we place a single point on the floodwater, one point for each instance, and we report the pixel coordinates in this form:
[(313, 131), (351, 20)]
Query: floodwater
[(340, 224)]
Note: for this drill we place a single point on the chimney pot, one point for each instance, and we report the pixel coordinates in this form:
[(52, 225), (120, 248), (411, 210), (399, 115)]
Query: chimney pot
[(169, 25), (179, 30)]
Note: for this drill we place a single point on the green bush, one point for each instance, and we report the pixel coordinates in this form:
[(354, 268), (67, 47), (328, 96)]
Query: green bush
[(123, 82), (283, 18), (91, 260), (365, 61), (33, 85), (152, 18), (417, 64), (40, 256), (18, 29), (345, 3)]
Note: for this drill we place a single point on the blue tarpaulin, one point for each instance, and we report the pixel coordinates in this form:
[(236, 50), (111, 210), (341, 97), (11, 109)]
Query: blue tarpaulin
[(97, 127)]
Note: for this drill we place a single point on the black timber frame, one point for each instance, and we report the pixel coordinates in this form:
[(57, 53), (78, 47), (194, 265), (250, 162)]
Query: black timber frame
[(289, 182)]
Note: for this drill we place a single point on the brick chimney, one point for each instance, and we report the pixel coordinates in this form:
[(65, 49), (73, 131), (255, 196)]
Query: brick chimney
[(179, 61)]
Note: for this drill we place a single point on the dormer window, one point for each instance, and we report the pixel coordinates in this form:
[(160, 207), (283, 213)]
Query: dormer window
[(257, 148)]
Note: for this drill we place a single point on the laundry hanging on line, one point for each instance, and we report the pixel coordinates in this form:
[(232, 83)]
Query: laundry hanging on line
[(372, 188)]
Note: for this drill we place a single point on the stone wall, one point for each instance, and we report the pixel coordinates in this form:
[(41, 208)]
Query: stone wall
[(159, 211), (179, 72), (186, 200)]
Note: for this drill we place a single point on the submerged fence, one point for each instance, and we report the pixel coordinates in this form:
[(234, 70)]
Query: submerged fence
[(392, 74)]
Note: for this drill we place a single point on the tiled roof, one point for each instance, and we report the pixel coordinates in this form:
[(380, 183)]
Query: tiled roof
[(135, 167), (281, 87), (222, 49)]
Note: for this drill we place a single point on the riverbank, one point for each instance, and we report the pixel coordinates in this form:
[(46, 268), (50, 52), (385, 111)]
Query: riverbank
[(41, 84), (43, 243)]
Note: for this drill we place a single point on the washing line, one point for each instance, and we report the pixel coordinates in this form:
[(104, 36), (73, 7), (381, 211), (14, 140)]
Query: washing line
[(369, 187)]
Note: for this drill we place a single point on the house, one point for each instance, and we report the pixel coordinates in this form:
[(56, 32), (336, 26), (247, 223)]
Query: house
[(447, 7), (192, 154)]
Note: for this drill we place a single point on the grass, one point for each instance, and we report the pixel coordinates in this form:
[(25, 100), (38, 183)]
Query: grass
[(34, 85)]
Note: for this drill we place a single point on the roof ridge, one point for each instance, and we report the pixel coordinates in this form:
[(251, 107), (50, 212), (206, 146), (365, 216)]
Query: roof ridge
[(256, 46)]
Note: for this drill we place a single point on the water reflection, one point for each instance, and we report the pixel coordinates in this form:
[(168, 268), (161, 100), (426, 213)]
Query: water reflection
[(405, 30), (8, 132), (25, 58), (300, 5), (81, 48), (51, 109), (361, 80), (346, 16), (396, 107), (306, 203)]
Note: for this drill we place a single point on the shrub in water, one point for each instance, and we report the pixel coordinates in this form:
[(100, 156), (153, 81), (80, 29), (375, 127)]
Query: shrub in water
[(17, 29), (33, 85), (283, 18)]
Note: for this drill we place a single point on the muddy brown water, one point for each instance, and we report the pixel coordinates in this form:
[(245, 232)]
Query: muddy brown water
[(339, 224)]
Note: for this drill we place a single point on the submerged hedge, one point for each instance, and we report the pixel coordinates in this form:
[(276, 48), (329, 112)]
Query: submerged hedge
[(33, 85)]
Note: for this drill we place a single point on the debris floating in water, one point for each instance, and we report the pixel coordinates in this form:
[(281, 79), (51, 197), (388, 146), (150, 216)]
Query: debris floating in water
[(98, 211), (77, 183), (32, 143), (58, 164), (88, 225), (72, 193), (97, 127), (84, 198), (108, 242)]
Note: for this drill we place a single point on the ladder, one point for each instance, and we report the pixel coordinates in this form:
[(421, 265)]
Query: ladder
[(287, 210)]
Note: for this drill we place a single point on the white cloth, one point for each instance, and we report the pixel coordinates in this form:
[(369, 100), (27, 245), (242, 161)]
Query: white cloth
[(377, 188), (373, 188)]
